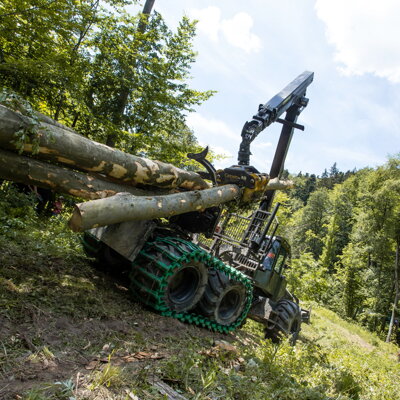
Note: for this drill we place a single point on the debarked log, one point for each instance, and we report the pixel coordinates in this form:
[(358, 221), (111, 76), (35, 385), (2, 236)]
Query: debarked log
[(61, 145), (125, 207), (33, 172), (277, 184)]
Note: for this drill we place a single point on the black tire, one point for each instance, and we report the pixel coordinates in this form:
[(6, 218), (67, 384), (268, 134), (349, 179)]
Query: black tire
[(184, 287), (224, 300), (286, 323)]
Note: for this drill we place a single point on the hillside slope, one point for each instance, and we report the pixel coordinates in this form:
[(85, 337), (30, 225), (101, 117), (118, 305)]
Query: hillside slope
[(69, 331)]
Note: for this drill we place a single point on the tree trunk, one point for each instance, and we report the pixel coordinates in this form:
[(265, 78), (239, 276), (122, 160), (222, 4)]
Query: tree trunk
[(397, 294), (123, 96), (32, 172), (125, 207), (63, 146)]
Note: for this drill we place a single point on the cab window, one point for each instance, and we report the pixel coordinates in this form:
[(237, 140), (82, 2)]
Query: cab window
[(271, 255), (280, 260)]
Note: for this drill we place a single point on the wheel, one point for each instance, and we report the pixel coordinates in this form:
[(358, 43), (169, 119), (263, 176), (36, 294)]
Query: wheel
[(287, 322), (186, 286), (224, 300), (160, 278)]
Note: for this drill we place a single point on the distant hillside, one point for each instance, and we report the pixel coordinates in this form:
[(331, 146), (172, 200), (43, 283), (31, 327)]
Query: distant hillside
[(68, 331)]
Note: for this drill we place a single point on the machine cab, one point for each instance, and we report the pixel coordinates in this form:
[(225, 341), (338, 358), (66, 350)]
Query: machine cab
[(269, 277)]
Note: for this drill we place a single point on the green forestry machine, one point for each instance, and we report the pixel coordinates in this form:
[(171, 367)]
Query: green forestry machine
[(214, 267)]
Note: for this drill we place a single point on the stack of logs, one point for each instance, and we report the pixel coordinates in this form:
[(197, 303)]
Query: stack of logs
[(120, 186)]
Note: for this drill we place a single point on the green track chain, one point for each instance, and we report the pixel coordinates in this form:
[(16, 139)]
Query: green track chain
[(167, 264)]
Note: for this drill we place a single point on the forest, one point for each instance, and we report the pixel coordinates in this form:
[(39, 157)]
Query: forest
[(344, 231), (123, 80)]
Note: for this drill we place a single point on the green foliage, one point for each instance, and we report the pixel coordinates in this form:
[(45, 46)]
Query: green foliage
[(308, 278), (350, 275), (344, 242), (60, 390), (29, 134), (117, 78), (308, 225), (47, 286), (109, 376), (340, 222), (304, 186)]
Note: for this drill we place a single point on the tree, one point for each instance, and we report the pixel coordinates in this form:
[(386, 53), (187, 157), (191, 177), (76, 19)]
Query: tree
[(117, 78), (373, 238), (351, 277), (152, 68), (304, 186), (343, 200), (310, 224)]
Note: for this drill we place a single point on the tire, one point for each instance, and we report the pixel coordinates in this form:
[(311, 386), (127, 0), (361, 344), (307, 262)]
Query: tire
[(224, 300), (180, 291), (186, 286), (286, 323)]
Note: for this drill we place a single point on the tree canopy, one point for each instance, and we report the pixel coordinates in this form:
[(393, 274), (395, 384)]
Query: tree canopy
[(120, 79), (345, 242)]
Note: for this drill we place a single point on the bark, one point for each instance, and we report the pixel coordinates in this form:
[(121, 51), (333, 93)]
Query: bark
[(397, 294), (32, 172), (277, 184), (165, 390), (125, 207), (61, 145)]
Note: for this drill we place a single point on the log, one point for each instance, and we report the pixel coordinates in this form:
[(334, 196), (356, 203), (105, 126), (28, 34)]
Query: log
[(33, 172), (61, 145), (277, 184), (125, 207)]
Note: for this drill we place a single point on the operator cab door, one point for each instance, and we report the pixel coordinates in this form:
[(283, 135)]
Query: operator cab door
[(270, 277)]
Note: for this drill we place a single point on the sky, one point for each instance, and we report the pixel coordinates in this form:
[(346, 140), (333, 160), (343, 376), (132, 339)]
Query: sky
[(249, 51)]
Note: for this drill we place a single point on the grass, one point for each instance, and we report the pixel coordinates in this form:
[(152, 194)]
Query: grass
[(68, 331)]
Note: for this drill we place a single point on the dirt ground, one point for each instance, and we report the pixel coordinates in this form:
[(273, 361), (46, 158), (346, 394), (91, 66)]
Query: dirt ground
[(41, 346)]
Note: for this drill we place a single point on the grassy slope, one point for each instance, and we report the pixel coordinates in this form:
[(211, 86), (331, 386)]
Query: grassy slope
[(68, 331)]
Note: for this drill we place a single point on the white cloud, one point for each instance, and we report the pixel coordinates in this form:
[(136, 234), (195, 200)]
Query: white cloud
[(210, 128), (209, 21), (365, 34), (216, 134), (222, 152), (236, 31)]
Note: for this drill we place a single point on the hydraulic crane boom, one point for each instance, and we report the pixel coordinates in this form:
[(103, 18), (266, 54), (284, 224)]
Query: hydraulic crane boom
[(291, 100), (292, 96)]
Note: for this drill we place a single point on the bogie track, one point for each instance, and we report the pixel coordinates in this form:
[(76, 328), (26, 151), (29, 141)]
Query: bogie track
[(156, 281)]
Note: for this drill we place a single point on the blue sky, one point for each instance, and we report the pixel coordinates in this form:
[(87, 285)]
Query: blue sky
[(248, 51)]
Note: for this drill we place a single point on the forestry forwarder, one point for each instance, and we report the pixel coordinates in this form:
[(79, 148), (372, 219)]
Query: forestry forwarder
[(238, 271)]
